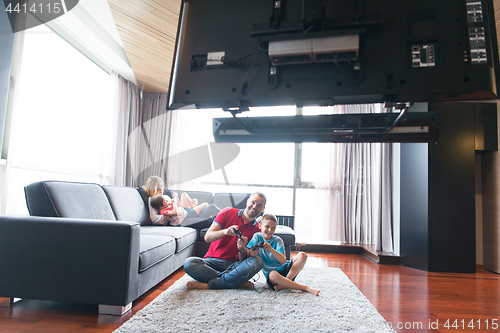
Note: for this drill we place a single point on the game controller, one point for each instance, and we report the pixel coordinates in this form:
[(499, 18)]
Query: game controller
[(256, 246), (238, 233)]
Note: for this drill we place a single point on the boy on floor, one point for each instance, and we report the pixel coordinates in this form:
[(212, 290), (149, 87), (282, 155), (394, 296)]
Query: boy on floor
[(279, 272)]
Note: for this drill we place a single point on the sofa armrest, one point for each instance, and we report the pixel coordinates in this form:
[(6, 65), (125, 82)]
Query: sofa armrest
[(75, 260)]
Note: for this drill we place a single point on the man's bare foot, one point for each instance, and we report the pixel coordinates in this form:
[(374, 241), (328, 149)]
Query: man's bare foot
[(247, 285), (310, 290), (196, 285)]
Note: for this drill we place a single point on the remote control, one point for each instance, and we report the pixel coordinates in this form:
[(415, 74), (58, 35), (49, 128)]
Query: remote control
[(256, 246), (238, 233)]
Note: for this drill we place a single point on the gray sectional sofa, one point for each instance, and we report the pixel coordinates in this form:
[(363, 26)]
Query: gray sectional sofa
[(94, 244)]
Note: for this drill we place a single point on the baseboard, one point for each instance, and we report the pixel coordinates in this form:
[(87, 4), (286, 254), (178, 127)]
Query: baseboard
[(384, 258), (328, 248), (381, 257)]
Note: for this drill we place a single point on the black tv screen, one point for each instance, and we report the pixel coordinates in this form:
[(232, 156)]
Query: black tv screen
[(235, 54)]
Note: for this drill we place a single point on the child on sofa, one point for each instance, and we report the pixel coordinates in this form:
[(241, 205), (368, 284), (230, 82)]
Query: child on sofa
[(155, 185), (279, 272), (169, 208)]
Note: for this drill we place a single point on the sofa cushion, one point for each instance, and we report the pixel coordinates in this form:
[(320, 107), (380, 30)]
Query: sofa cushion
[(235, 200), (127, 204), (184, 237), (153, 249), (68, 199)]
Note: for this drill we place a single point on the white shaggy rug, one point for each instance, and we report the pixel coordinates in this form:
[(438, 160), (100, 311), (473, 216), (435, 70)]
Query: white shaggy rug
[(340, 307)]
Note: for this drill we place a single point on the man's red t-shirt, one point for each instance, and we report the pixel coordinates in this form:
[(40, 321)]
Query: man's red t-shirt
[(225, 248)]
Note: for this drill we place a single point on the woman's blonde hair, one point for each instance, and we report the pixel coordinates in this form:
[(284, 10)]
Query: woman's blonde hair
[(153, 184)]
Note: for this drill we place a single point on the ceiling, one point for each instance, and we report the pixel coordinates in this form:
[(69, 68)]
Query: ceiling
[(148, 29)]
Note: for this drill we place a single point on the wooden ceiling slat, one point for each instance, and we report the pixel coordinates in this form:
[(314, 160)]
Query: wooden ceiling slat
[(168, 7), (141, 30), (157, 53), (148, 29), (125, 20), (140, 14)]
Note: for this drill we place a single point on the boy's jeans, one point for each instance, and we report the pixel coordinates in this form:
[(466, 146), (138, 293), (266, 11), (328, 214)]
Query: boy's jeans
[(220, 273)]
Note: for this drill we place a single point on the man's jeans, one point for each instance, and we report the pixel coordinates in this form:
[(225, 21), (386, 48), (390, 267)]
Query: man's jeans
[(220, 273)]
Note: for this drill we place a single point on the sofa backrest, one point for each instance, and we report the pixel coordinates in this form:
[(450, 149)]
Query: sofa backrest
[(68, 199), (200, 195), (127, 204), (235, 200)]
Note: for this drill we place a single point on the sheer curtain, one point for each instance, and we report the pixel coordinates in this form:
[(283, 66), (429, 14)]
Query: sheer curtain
[(190, 133), (140, 125), (148, 138), (127, 97), (354, 189)]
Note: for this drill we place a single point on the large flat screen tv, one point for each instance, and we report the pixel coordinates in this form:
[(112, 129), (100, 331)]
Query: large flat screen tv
[(235, 54)]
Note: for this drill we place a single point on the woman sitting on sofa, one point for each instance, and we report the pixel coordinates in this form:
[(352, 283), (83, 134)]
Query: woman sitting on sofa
[(185, 207)]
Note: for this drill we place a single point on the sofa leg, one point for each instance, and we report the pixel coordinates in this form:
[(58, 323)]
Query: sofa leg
[(9, 301), (115, 310), (14, 300)]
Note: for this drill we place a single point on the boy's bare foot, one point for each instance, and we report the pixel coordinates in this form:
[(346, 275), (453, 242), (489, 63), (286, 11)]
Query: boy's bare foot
[(196, 285), (278, 287), (310, 290), (246, 285)]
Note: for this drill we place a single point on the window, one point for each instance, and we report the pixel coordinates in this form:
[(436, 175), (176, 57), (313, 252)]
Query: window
[(267, 167), (58, 125), (271, 167)]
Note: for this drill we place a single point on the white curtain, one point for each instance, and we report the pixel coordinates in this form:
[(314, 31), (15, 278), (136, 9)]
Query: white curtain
[(191, 129), (127, 97), (354, 189), (141, 128), (148, 138)]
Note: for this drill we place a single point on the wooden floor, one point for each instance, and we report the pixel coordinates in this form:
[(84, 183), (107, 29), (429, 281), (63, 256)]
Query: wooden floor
[(413, 300)]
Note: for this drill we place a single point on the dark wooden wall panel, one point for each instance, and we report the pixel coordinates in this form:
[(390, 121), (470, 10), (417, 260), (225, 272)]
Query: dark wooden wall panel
[(438, 197), (491, 194), (490, 170), (452, 213)]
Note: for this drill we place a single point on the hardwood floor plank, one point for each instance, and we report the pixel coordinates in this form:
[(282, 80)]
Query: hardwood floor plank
[(404, 296)]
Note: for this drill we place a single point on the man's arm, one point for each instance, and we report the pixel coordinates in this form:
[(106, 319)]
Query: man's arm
[(215, 232), (243, 251)]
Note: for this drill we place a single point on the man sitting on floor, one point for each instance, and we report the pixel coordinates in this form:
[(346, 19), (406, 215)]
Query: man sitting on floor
[(221, 268)]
